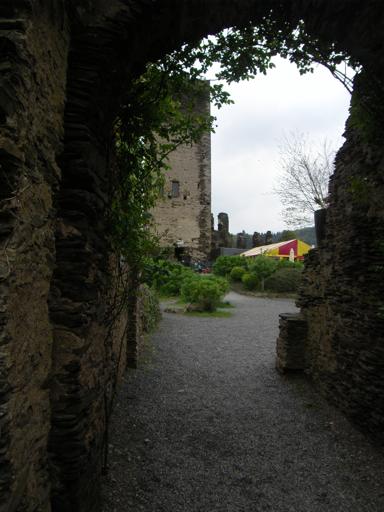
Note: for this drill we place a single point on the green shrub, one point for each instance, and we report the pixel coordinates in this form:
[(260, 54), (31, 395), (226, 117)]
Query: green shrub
[(224, 264), (204, 292), (165, 276), (284, 280), (250, 281), (175, 281), (263, 267), (221, 282), (149, 308), (285, 263), (224, 286), (237, 273)]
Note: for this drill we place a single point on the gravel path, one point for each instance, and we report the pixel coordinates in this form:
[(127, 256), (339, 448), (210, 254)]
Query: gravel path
[(207, 424)]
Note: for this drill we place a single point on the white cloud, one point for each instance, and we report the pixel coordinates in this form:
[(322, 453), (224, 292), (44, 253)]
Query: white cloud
[(245, 146)]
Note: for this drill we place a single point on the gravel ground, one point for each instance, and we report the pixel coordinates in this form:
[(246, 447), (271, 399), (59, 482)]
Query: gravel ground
[(207, 424)]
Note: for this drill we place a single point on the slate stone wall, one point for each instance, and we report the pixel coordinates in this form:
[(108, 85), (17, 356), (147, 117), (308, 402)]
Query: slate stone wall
[(342, 295), (60, 357), (34, 46), (291, 343), (89, 337)]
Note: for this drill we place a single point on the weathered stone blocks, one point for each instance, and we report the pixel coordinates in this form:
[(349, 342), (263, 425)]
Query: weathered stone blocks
[(291, 343), (32, 92), (187, 217)]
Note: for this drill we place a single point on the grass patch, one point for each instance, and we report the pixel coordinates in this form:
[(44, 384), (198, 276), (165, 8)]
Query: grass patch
[(209, 314), (222, 305), (225, 304), (238, 288), (178, 305), (165, 296)]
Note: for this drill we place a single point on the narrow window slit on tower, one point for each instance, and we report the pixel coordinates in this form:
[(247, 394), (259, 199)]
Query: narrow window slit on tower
[(175, 188)]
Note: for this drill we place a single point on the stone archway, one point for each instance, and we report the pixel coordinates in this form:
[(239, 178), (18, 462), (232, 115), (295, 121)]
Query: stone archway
[(65, 67)]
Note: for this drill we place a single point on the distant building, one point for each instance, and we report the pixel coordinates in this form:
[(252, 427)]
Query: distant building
[(183, 215), (290, 249)]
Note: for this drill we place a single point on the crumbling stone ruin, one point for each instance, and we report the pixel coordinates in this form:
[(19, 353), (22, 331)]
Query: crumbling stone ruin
[(268, 238), (182, 217), (241, 241), (256, 239), (222, 239), (221, 236), (65, 67)]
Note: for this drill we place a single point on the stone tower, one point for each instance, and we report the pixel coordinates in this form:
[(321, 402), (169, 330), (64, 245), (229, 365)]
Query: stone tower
[(183, 214)]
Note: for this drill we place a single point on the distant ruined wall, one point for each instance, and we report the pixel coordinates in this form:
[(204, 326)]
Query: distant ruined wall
[(187, 218), (64, 69)]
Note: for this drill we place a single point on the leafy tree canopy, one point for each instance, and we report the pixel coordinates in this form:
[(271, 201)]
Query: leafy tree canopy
[(287, 234)]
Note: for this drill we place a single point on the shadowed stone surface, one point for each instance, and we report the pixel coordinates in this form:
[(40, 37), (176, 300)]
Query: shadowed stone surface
[(290, 346), (207, 424)]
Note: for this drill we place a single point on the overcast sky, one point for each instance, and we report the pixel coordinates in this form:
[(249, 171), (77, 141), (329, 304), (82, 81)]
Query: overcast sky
[(245, 147)]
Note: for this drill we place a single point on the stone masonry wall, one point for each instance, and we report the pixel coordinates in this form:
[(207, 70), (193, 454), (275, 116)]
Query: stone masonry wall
[(88, 321), (343, 290), (60, 355), (187, 218), (34, 45)]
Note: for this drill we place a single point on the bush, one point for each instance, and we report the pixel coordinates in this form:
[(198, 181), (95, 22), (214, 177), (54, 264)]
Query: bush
[(204, 292), (175, 281), (263, 267), (237, 273), (221, 282), (284, 280), (224, 264), (166, 276), (149, 308), (285, 263), (250, 281)]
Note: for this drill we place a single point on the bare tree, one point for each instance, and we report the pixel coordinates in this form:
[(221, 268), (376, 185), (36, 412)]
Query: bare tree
[(303, 182)]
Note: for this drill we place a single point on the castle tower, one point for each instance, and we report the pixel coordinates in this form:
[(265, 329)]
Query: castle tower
[(183, 215)]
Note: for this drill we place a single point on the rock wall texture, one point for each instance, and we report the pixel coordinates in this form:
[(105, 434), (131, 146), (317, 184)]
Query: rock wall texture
[(221, 236), (342, 296), (291, 348), (65, 67), (34, 47), (185, 218)]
